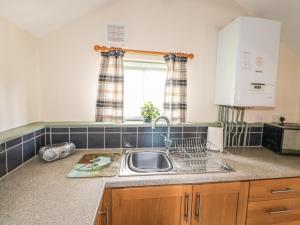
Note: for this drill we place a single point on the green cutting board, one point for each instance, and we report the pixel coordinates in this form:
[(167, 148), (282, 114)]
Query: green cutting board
[(108, 171)]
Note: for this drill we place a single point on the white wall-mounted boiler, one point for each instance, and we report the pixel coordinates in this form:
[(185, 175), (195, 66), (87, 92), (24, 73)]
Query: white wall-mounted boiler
[(247, 59)]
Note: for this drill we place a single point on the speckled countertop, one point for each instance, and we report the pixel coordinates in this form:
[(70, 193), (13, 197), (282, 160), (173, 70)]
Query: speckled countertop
[(39, 193)]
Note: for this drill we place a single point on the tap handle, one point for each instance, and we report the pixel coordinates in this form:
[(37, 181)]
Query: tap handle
[(166, 139)]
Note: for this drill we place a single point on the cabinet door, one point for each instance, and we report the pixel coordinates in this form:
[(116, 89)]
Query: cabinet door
[(274, 212), (159, 205), (104, 211), (216, 204), (264, 190)]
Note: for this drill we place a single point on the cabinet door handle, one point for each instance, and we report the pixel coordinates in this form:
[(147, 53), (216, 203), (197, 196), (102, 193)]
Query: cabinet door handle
[(186, 206), (278, 191), (279, 211), (197, 207), (106, 213)]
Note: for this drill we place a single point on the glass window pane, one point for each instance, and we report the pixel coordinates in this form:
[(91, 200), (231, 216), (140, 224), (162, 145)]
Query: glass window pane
[(154, 85), (133, 92), (142, 83)]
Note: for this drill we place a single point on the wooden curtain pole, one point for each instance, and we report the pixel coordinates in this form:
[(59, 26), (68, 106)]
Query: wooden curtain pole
[(141, 52)]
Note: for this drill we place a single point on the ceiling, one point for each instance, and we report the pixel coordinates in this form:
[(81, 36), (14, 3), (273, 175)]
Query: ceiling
[(39, 17), (42, 16), (286, 11)]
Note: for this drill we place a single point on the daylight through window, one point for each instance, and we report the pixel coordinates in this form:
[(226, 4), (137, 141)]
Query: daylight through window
[(143, 81)]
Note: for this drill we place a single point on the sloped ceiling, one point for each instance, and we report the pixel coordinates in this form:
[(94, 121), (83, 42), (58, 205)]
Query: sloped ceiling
[(42, 16), (39, 17), (286, 11)]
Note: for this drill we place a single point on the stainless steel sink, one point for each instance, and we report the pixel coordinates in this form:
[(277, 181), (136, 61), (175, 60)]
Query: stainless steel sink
[(140, 162), (146, 162), (149, 161)]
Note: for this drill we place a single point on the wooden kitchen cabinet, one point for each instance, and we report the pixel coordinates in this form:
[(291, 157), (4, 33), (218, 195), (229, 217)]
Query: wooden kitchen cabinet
[(261, 202), (205, 204), (103, 216), (262, 190), (220, 204), (274, 212), (157, 205), (274, 202)]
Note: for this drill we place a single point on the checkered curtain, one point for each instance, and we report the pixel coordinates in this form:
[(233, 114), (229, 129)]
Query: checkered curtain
[(175, 89), (109, 105)]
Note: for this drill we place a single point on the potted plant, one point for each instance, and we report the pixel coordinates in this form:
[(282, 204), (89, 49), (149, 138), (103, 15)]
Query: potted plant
[(149, 112)]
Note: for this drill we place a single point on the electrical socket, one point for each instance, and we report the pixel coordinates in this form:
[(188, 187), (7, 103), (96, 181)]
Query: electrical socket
[(259, 118)]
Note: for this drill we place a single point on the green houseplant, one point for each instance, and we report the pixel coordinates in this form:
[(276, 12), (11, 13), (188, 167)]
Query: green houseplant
[(149, 111)]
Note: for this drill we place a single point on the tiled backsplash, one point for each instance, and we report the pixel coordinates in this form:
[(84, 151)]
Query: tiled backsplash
[(120, 137), (17, 151)]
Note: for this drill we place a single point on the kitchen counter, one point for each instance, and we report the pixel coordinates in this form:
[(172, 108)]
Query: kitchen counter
[(39, 193)]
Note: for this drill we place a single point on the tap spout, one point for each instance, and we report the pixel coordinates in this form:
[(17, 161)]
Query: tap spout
[(166, 139)]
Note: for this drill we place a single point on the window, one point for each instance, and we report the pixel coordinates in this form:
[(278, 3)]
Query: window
[(143, 81)]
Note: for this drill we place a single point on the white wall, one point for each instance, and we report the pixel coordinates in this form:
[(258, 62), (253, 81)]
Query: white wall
[(287, 95), (69, 66), (298, 93), (19, 82)]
